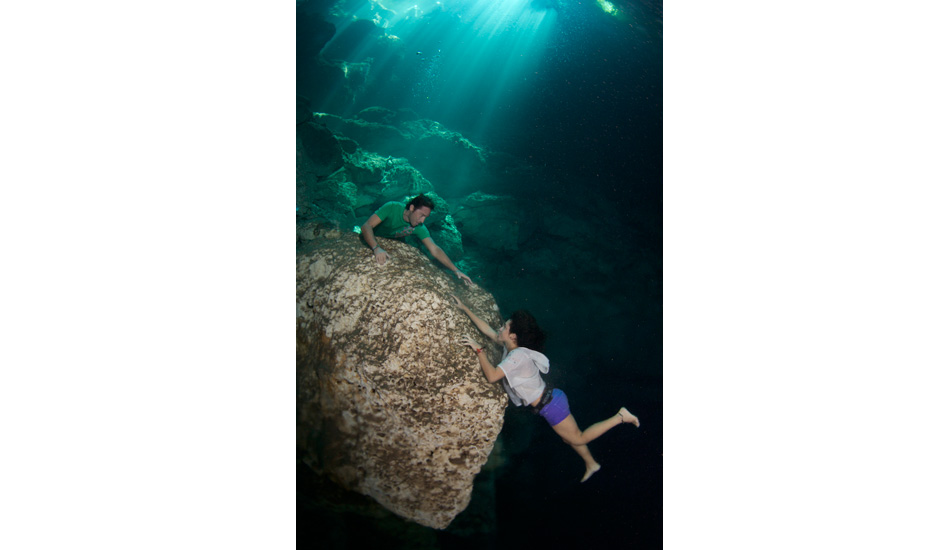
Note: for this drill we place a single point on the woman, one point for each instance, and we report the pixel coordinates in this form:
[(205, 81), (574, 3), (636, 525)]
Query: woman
[(520, 372)]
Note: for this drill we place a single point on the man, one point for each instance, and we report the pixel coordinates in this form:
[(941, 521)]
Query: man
[(393, 221)]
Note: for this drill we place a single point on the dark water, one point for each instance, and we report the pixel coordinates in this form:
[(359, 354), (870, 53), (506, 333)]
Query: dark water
[(574, 94)]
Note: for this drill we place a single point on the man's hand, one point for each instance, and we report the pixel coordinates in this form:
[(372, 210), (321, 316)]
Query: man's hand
[(381, 255), (464, 277)]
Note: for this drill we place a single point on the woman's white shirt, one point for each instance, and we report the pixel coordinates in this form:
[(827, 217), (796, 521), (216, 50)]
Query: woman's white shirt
[(523, 368)]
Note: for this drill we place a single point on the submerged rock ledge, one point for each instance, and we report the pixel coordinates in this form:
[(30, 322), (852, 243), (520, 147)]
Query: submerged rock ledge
[(389, 404)]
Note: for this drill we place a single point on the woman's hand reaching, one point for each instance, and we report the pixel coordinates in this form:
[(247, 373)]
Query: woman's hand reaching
[(468, 341)]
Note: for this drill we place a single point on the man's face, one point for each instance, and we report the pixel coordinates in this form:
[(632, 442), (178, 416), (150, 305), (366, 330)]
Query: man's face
[(418, 215)]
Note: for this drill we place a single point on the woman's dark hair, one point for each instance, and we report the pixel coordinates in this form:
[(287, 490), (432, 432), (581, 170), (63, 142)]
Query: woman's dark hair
[(526, 328)]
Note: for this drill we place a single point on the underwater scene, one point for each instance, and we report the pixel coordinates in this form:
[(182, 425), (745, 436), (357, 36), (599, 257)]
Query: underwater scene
[(459, 161)]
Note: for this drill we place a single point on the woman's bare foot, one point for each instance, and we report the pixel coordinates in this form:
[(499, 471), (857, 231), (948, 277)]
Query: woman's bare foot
[(591, 470), (628, 418)]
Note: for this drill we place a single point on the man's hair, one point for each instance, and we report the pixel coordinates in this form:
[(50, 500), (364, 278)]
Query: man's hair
[(421, 201), (527, 331)]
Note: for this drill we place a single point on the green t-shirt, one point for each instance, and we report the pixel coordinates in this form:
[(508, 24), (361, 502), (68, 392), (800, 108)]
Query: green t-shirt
[(393, 226)]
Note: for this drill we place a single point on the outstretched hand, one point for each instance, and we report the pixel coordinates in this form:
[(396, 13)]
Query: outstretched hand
[(467, 341), (464, 277)]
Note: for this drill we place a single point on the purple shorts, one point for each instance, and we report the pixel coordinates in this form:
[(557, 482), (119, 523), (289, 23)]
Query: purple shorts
[(557, 410)]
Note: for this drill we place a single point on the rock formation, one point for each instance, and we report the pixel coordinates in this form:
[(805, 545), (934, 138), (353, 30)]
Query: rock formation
[(445, 157), (389, 404)]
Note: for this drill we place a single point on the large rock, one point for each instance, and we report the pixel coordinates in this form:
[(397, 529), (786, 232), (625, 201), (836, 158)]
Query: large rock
[(389, 404)]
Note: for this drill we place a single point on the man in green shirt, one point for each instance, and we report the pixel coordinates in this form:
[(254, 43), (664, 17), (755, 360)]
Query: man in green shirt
[(394, 222)]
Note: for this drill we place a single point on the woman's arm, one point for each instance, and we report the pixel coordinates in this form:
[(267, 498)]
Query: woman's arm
[(482, 325), (492, 373)]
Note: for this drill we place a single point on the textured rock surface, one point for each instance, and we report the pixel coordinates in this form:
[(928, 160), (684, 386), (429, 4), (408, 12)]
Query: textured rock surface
[(388, 403)]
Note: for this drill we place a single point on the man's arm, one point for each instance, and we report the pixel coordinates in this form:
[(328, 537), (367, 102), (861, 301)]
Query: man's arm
[(367, 231), (482, 325), (440, 255)]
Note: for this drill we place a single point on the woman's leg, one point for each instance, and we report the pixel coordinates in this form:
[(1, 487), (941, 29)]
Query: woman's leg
[(573, 436), (569, 431)]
